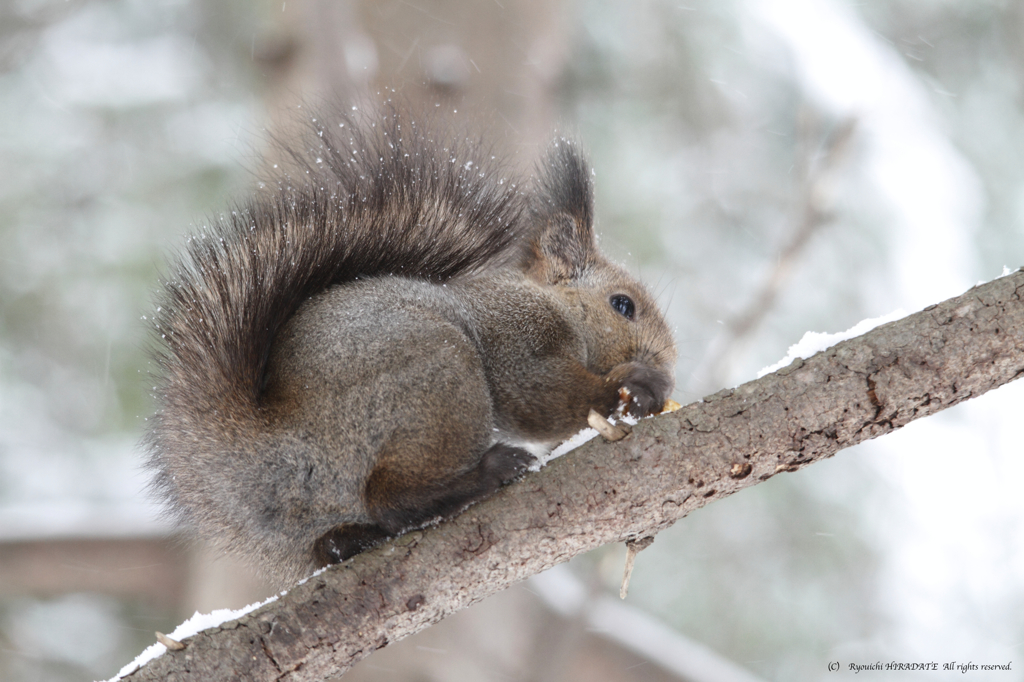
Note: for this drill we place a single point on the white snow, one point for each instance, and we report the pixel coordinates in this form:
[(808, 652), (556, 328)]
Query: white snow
[(814, 342), (584, 436), (195, 624), (567, 446)]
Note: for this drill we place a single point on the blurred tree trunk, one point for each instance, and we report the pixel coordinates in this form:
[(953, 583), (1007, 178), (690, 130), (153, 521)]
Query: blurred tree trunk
[(498, 62)]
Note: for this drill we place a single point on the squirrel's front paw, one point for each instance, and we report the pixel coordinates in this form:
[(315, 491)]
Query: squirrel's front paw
[(505, 462), (648, 387)]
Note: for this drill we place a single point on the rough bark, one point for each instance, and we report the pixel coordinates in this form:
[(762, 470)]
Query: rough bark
[(610, 492)]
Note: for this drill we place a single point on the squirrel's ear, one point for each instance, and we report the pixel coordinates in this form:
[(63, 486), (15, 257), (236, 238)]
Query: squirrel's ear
[(563, 212)]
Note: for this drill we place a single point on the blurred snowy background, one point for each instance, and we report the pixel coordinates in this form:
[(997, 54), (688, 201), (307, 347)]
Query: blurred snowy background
[(768, 166)]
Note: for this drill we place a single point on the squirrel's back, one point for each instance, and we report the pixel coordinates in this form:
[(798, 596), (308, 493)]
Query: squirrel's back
[(363, 201)]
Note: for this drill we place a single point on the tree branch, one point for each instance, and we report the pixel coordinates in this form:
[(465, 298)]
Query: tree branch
[(610, 492)]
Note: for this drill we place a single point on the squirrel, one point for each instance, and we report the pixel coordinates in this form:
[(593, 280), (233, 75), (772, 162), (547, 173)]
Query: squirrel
[(391, 333)]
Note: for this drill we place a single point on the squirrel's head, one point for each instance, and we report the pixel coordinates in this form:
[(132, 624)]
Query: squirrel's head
[(620, 321)]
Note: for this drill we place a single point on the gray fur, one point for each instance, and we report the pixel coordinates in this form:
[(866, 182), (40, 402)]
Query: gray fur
[(369, 348)]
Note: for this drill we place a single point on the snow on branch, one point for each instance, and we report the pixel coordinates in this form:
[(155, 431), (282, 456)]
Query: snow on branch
[(610, 492)]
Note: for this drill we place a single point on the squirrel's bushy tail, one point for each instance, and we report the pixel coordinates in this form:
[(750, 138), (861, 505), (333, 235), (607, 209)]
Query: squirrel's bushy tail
[(363, 199)]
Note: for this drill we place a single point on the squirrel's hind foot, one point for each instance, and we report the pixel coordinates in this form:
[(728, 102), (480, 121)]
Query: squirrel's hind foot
[(505, 463), (344, 542)]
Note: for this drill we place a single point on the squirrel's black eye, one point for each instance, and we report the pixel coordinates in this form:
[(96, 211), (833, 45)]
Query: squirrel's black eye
[(624, 306)]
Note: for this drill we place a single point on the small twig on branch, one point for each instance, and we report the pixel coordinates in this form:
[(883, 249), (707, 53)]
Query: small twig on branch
[(607, 492), (633, 547)]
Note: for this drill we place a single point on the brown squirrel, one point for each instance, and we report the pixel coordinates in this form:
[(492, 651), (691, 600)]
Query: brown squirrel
[(386, 337)]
